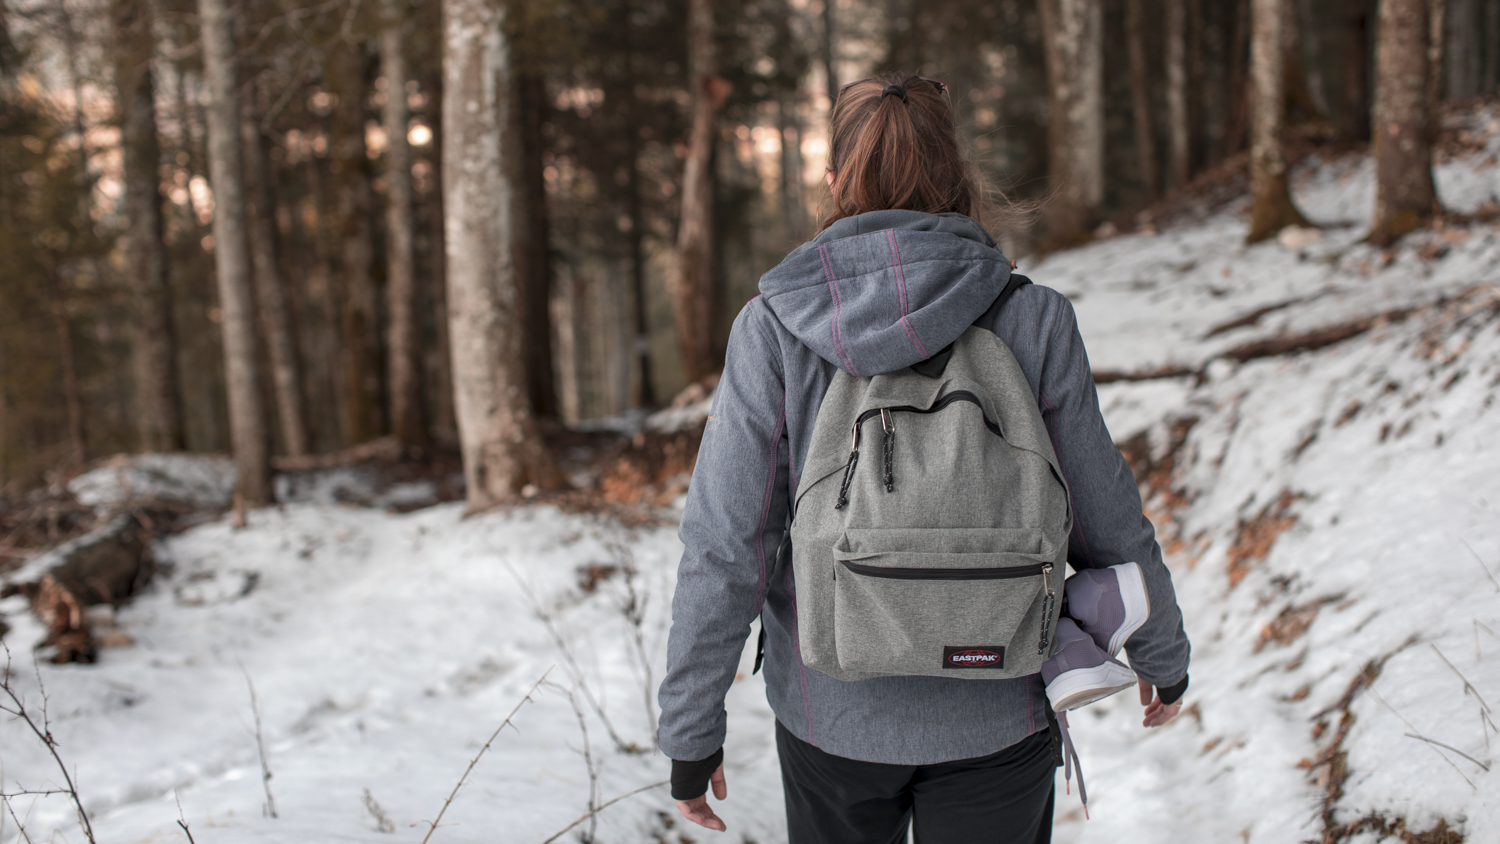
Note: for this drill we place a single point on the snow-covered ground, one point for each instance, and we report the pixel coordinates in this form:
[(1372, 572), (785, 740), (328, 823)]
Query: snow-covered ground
[(1328, 515)]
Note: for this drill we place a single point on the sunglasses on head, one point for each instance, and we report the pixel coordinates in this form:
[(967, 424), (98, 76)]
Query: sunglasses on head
[(936, 83)]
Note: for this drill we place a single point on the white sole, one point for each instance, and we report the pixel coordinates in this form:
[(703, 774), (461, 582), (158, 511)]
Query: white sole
[(1137, 603), (1083, 686)]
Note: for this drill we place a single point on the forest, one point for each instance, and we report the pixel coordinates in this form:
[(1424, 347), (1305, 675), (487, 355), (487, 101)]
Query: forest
[(355, 356), (288, 228)]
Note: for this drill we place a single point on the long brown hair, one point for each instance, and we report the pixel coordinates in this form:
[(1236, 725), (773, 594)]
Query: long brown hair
[(891, 151)]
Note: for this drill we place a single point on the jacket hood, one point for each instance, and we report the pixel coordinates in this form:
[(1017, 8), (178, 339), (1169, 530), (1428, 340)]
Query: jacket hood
[(881, 291)]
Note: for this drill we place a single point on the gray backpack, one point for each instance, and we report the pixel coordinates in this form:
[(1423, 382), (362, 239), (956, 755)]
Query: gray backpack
[(930, 528)]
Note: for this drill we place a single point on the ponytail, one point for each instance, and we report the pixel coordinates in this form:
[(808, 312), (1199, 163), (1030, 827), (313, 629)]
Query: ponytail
[(893, 144)]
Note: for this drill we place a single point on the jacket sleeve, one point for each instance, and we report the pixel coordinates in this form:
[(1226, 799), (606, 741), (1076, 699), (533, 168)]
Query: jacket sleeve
[(1109, 526), (735, 515)]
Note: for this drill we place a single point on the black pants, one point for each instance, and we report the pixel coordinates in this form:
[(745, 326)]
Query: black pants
[(1003, 798)]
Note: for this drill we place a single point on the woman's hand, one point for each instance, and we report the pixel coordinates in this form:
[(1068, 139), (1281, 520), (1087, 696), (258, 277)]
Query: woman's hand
[(697, 810), (1157, 713)]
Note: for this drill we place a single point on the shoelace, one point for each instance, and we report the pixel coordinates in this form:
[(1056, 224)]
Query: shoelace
[(1071, 761)]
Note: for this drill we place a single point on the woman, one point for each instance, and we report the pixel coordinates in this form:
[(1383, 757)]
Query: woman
[(899, 268)]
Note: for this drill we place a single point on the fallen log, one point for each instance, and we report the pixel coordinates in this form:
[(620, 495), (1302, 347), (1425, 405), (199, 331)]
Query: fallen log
[(105, 566)]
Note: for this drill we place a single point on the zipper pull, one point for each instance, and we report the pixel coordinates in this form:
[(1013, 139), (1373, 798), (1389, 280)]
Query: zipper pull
[(849, 470), (1047, 608), (889, 425)]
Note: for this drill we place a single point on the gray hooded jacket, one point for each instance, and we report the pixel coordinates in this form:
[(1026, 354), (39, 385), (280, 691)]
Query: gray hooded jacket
[(873, 294)]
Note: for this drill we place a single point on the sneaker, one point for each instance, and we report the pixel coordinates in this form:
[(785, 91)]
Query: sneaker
[(1080, 672), (1108, 604)]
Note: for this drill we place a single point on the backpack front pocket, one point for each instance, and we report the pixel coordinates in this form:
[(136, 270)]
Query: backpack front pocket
[(972, 602)]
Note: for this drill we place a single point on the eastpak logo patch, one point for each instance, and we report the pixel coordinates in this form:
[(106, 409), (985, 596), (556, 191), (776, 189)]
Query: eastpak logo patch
[(974, 656)]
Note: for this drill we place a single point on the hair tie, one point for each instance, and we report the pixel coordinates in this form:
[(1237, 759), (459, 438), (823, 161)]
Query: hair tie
[(895, 89)]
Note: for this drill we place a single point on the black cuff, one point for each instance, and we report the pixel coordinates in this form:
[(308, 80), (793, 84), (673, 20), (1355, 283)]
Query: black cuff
[(690, 779), (1173, 693)]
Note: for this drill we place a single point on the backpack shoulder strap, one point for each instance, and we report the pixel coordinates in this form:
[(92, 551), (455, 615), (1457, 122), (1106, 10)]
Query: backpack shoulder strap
[(933, 367)]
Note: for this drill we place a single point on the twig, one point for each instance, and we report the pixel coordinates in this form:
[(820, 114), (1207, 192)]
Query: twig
[(182, 819), (569, 661), (382, 823), (1449, 747), (605, 805), (633, 607), (44, 733), (1480, 560), (19, 826), (260, 745), (588, 760), (1387, 705), (475, 761), (1468, 687)]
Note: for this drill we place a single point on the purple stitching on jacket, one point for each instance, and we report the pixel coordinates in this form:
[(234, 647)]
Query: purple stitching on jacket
[(1052, 435), (833, 291), (765, 505), (911, 332), (786, 582)]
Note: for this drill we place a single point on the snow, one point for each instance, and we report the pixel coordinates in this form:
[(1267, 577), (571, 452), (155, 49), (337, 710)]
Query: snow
[(385, 648), (205, 481)]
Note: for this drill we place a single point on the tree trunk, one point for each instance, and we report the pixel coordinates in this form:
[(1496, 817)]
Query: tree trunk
[(1436, 49), (158, 399), (637, 234), (270, 288), (1238, 114), (1465, 56), (1357, 69), (1402, 128), (694, 294), (1073, 37), (403, 337), (533, 257), (830, 77), (790, 64), (1178, 151), (1271, 206), (502, 451), (247, 425), (444, 422), (1140, 100), (1311, 56), (1491, 75), (364, 403)]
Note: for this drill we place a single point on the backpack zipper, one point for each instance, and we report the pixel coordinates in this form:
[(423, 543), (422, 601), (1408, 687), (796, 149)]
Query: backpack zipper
[(1007, 573), (888, 424)]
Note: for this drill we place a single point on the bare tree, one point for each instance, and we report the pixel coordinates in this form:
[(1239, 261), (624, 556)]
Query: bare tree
[(1073, 38), (533, 256), (364, 405), (1402, 128), (694, 298), (270, 288), (502, 450), (403, 339), (1271, 206), (158, 398), (232, 256), (1140, 99), (1178, 152)]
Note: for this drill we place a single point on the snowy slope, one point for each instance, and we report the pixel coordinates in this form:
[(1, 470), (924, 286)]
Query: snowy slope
[(1325, 513)]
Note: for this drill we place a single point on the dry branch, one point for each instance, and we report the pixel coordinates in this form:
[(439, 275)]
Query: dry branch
[(43, 734), (605, 805), (475, 761), (260, 746)]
